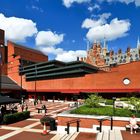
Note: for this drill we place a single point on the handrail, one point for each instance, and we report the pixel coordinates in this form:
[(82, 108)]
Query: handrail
[(106, 118), (77, 121)]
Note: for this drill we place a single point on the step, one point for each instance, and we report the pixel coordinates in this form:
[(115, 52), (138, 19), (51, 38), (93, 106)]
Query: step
[(58, 136), (105, 135), (111, 135), (99, 136), (118, 135), (74, 135)]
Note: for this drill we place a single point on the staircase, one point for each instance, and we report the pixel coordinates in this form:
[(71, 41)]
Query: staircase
[(110, 135), (70, 136)]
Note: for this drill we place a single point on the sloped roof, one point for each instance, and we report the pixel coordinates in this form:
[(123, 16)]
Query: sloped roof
[(7, 83), (7, 100)]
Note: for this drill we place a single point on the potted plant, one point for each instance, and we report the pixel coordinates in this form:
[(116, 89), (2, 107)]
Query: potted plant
[(44, 121)]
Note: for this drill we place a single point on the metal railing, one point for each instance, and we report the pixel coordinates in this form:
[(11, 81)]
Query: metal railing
[(77, 121)]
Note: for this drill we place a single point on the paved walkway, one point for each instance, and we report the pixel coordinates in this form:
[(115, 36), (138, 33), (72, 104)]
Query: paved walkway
[(32, 129)]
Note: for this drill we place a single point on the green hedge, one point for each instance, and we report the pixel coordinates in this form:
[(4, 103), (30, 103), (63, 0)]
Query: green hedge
[(12, 118), (107, 111), (109, 102)]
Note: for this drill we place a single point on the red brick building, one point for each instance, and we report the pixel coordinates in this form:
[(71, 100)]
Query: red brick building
[(38, 77)]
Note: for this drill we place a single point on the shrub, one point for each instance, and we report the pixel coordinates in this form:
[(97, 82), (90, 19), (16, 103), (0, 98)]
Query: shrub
[(106, 110), (124, 99), (93, 100), (12, 118), (109, 102), (136, 103)]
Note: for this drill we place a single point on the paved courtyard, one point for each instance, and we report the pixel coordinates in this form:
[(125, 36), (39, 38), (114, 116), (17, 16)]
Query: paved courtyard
[(32, 129)]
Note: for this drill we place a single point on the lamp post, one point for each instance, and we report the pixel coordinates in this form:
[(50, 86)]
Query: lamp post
[(21, 70), (1, 46), (114, 99)]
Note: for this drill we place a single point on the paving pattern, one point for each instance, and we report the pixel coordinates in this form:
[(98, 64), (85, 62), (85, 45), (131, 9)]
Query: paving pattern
[(32, 129)]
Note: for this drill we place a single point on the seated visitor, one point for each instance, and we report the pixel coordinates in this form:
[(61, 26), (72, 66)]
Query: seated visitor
[(133, 124)]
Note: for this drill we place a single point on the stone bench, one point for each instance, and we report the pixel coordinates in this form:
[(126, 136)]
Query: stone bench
[(127, 127)]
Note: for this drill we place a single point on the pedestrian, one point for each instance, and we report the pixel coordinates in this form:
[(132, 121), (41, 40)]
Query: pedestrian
[(133, 124), (22, 107), (26, 108)]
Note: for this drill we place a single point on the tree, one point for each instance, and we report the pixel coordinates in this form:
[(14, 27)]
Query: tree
[(93, 100), (136, 103)]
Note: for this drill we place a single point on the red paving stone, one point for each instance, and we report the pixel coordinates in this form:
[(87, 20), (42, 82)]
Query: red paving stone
[(40, 126), (22, 123), (30, 136), (127, 136), (86, 136), (3, 131)]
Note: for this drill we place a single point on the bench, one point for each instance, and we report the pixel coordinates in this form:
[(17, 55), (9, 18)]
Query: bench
[(40, 110), (127, 127)]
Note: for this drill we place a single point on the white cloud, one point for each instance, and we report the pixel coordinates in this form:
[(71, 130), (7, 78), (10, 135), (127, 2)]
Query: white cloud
[(17, 29), (37, 8), (48, 38), (68, 3), (95, 7), (116, 29), (47, 41), (68, 56), (137, 2), (91, 23), (61, 54)]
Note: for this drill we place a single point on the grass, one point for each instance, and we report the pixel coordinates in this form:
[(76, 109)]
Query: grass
[(103, 110)]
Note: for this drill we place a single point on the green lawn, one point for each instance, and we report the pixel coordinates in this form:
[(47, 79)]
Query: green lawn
[(107, 111)]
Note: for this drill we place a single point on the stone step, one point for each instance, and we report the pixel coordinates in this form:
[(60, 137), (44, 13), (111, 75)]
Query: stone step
[(99, 136), (105, 135), (118, 135), (111, 135), (74, 136), (58, 136)]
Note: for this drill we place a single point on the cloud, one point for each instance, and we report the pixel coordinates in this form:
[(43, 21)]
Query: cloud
[(115, 29), (48, 38), (137, 2), (37, 8), (17, 29), (68, 56), (61, 54), (94, 7), (47, 42), (91, 23), (68, 3)]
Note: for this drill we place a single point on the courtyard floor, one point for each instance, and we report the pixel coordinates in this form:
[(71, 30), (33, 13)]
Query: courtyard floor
[(31, 129)]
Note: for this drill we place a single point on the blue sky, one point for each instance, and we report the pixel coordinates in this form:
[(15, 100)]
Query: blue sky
[(62, 28)]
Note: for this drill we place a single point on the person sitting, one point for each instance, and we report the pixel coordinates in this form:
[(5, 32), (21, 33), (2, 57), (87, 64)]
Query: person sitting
[(133, 124)]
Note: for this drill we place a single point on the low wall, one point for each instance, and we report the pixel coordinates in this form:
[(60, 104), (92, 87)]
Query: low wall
[(89, 123)]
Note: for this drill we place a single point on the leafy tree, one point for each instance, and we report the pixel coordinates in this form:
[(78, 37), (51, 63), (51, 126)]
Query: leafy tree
[(136, 103), (93, 100)]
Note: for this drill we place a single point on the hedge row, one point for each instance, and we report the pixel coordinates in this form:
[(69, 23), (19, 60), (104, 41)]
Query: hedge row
[(12, 118), (107, 111)]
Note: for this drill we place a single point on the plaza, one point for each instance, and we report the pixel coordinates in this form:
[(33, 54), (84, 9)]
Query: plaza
[(31, 128)]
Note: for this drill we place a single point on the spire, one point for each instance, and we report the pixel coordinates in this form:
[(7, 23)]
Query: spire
[(138, 43), (105, 42)]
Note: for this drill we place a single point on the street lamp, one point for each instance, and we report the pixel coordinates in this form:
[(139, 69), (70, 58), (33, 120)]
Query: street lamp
[(114, 99), (1, 46)]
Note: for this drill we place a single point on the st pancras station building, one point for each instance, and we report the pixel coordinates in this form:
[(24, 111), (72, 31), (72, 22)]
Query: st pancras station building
[(28, 72)]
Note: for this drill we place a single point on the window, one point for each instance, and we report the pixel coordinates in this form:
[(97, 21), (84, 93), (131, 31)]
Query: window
[(126, 81)]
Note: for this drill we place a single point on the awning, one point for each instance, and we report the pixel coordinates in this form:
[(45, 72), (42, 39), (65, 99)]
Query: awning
[(8, 100)]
